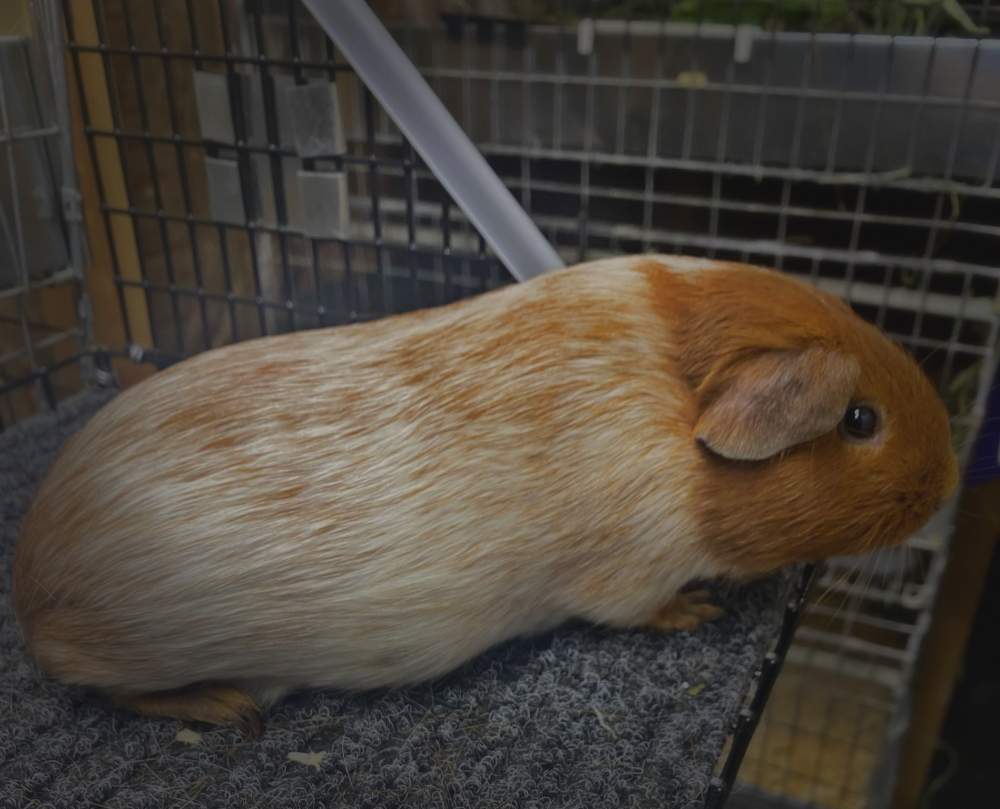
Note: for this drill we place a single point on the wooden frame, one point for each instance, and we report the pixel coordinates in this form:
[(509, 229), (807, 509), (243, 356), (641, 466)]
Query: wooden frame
[(106, 168)]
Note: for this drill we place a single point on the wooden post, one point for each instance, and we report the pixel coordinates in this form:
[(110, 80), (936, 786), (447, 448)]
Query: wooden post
[(108, 320)]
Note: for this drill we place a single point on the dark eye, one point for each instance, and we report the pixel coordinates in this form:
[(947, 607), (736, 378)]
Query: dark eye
[(860, 422)]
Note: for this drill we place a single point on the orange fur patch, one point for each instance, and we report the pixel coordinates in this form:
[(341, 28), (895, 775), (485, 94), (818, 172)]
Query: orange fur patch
[(828, 496)]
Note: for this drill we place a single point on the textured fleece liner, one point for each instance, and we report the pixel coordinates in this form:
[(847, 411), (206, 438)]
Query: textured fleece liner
[(582, 717)]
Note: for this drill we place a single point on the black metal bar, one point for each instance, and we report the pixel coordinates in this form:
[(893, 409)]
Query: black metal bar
[(220, 230), (861, 195), (92, 153), (949, 363), (245, 168), (355, 317), (50, 160), (446, 249), (254, 226), (275, 161), (528, 64), (236, 299), (275, 306), (104, 372), (721, 786), (914, 132), (37, 325), (216, 296), (376, 208), (182, 168), (154, 172), (268, 149), (298, 72), (309, 164), (483, 259), (226, 58), (984, 105), (583, 216), (409, 181), (317, 280), (151, 356), (193, 33), (37, 374), (116, 120), (48, 393), (692, 200), (353, 293), (227, 276)]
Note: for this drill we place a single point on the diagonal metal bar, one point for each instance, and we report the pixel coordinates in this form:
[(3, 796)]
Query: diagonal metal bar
[(428, 125)]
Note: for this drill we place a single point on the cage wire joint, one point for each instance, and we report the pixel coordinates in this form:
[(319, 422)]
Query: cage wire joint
[(439, 140)]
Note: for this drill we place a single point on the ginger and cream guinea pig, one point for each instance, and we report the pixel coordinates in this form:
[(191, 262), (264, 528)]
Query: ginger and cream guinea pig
[(373, 505)]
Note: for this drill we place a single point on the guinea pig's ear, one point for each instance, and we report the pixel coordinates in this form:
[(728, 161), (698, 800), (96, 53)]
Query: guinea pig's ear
[(756, 407)]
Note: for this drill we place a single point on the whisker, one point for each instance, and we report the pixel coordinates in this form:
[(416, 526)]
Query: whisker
[(850, 598), (989, 420), (933, 352), (911, 557), (833, 585), (876, 567)]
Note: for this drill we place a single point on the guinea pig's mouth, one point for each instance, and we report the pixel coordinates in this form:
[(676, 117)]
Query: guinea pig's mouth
[(931, 523), (934, 489)]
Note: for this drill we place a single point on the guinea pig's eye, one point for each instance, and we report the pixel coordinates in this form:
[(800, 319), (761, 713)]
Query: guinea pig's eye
[(859, 423)]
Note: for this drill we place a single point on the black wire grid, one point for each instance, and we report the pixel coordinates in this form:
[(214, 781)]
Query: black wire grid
[(40, 227), (207, 281), (623, 183)]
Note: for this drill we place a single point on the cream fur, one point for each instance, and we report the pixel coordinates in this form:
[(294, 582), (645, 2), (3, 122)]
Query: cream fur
[(371, 506)]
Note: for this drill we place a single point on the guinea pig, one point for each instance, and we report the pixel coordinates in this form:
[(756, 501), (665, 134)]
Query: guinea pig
[(372, 505)]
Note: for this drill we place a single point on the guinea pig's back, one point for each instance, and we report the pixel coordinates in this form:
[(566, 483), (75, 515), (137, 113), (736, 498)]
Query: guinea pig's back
[(357, 506)]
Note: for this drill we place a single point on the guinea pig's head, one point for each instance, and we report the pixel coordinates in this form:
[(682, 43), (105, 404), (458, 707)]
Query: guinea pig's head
[(817, 436)]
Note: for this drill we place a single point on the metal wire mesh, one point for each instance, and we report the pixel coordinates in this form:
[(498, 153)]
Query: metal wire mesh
[(867, 164), (219, 195), (41, 330), (868, 167)]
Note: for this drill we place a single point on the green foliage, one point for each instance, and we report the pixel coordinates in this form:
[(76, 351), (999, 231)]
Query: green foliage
[(898, 17)]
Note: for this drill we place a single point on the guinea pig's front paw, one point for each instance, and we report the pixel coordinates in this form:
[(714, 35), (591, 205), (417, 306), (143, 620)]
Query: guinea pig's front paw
[(685, 611), (220, 705)]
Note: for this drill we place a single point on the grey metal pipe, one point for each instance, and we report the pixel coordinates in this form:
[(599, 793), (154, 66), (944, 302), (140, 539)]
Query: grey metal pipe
[(427, 124)]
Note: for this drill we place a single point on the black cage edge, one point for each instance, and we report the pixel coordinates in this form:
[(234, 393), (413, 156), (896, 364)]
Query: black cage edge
[(749, 717)]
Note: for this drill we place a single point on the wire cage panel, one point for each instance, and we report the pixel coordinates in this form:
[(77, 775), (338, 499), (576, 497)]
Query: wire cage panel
[(42, 328), (736, 95), (865, 164), (906, 238), (247, 219), (28, 126)]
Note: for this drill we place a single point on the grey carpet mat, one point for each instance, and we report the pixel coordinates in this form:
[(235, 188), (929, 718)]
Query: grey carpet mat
[(582, 717)]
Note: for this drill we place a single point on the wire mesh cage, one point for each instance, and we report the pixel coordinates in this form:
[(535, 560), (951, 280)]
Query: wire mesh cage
[(247, 210), (248, 184), (864, 163), (42, 330)]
